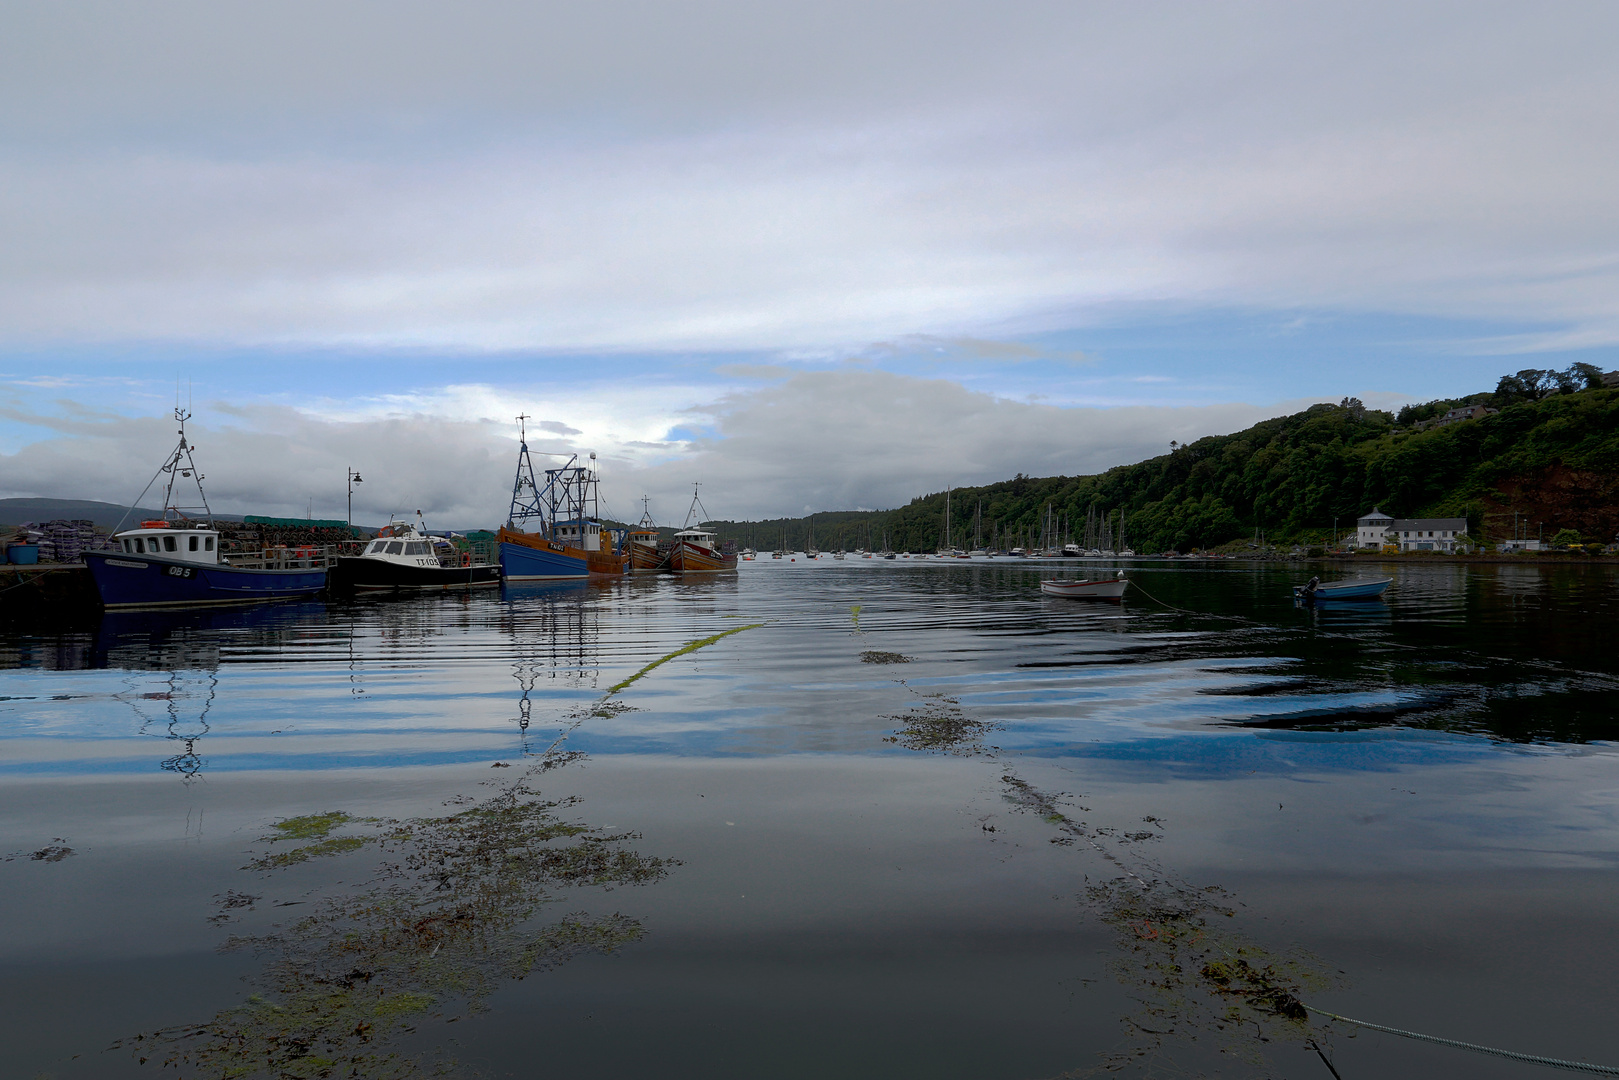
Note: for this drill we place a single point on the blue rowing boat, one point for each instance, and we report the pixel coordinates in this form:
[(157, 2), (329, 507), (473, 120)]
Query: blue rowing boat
[(1354, 589)]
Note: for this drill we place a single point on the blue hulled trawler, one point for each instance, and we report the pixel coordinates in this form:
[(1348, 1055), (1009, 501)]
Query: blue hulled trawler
[(553, 530), (176, 561)]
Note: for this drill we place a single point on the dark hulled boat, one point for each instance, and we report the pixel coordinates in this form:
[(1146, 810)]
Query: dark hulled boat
[(404, 558)]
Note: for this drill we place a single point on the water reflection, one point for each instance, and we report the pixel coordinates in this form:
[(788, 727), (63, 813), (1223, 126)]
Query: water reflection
[(174, 705)]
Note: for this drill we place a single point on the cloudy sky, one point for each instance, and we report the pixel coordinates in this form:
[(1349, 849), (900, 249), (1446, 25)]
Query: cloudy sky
[(817, 256)]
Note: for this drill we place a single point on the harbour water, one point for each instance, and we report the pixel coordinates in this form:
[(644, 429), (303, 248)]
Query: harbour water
[(855, 819)]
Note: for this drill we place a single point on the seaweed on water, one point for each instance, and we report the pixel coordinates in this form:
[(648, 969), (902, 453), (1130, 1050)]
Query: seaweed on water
[(939, 726), (446, 919), (1193, 977), (428, 936), (873, 656), (689, 647), (53, 852)]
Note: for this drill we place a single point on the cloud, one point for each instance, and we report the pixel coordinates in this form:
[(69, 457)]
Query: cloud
[(719, 175), (556, 427), (825, 439)]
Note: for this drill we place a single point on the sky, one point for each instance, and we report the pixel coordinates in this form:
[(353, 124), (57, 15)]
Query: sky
[(816, 256)]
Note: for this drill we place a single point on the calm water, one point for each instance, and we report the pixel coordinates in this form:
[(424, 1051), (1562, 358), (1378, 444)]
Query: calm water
[(900, 820)]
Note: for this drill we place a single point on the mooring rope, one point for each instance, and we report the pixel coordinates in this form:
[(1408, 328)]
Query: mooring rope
[(1534, 1059), (1184, 611)]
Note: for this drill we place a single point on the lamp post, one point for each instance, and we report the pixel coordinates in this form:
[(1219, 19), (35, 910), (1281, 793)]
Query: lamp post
[(354, 478)]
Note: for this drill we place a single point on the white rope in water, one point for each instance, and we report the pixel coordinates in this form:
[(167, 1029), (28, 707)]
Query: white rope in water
[(1535, 1059)]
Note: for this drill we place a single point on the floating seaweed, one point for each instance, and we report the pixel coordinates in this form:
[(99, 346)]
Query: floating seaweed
[(1194, 979), (447, 918), (442, 924), (940, 725)]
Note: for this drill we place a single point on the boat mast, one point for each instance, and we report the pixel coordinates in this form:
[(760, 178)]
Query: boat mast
[(696, 505), (526, 501), (180, 464)]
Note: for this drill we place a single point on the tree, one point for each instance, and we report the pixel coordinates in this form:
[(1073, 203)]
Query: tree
[(1590, 374), (1566, 538)]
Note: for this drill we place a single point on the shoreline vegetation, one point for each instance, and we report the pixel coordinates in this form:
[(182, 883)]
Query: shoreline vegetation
[(1543, 464)]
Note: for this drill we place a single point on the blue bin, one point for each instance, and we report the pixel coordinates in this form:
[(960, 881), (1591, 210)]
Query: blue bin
[(23, 554)]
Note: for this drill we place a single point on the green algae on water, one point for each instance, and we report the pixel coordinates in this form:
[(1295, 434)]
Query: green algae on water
[(426, 937), (689, 647)]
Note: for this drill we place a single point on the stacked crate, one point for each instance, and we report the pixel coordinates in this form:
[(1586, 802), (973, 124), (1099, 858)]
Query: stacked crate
[(65, 540)]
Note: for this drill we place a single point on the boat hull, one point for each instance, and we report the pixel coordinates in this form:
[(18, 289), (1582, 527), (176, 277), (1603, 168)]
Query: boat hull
[(647, 559), (1104, 589), (689, 558), (376, 575), (522, 562), (527, 557), (150, 581), (1348, 590)]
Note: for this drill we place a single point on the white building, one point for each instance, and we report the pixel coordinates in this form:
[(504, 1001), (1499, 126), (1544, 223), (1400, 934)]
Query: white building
[(1370, 529), (1414, 534)]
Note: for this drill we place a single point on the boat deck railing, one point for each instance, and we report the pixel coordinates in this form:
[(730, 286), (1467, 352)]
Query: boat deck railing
[(288, 558)]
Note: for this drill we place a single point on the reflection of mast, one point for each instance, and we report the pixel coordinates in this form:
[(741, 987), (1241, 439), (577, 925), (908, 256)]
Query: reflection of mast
[(552, 642), (179, 690)]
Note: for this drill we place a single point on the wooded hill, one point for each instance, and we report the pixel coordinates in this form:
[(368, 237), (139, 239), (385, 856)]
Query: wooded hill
[(1551, 454)]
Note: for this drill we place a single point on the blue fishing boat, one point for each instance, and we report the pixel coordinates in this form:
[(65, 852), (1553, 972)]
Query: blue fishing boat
[(176, 561), (553, 531), (1356, 589)]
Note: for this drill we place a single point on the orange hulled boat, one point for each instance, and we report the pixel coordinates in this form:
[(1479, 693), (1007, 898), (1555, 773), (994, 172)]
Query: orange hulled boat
[(696, 550), (647, 556)]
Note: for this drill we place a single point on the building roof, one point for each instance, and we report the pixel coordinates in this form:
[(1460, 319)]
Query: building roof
[(1375, 515), (1426, 524)]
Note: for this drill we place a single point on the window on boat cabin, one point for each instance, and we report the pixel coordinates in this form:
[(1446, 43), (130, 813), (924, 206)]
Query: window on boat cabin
[(418, 547), (193, 545), (376, 547), (208, 543), (169, 544), (396, 547), (140, 546), (129, 545)]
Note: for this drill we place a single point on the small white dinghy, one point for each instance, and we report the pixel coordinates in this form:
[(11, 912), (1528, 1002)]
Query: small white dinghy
[(1086, 589)]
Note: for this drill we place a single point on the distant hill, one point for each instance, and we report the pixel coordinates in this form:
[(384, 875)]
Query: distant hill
[(106, 515), (1550, 456)]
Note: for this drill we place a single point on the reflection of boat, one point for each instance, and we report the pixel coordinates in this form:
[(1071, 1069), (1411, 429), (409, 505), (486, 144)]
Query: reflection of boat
[(1355, 589), (1087, 589), (176, 562), (696, 550), (567, 539), (404, 557)]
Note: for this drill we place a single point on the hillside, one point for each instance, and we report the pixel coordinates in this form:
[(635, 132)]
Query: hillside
[(1553, 459), (106, 515)]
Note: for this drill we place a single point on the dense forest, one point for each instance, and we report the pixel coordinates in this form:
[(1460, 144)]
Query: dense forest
[(1550, 455)]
